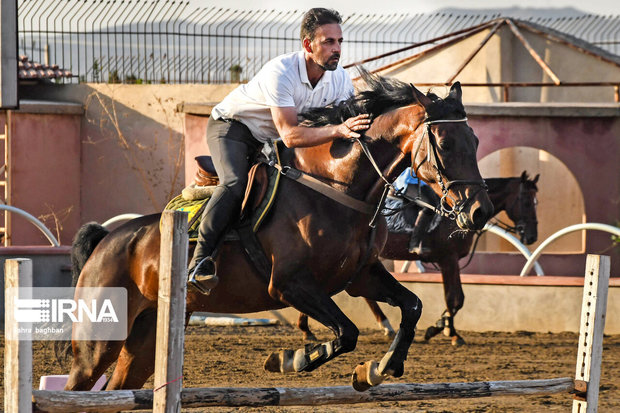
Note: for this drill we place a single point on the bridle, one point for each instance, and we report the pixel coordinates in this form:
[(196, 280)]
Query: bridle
[(432, 158), (521, 223)]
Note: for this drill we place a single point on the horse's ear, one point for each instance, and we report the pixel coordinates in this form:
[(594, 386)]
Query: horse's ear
[(421, 97), (456, 92), (535, 178), (524, 176)]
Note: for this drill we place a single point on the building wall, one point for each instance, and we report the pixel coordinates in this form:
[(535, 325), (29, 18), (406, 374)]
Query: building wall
[(587, 144), (557, 190), (505, 59), (132, 151), (44, 170)]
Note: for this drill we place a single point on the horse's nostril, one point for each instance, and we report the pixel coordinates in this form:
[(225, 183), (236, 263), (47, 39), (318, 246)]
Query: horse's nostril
[(479, 218)]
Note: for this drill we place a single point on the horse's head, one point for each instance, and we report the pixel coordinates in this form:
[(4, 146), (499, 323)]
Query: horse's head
[(521, 208), (443, 154)]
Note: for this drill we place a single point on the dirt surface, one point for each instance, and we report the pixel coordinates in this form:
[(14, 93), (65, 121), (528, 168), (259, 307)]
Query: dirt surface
[(234, 356)]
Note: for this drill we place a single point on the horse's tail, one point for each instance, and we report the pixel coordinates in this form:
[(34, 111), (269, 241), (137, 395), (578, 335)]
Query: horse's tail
[(84, 243)]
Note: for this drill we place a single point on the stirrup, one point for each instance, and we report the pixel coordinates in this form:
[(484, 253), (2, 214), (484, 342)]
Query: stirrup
[(204, 276)]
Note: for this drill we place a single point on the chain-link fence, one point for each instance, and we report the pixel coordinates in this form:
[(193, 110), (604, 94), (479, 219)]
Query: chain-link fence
[(150, 41)]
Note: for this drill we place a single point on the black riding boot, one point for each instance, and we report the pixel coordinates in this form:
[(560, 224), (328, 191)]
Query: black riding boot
[(422, 222), (218, 214)]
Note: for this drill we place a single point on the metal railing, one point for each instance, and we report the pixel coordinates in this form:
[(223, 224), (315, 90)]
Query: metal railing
[(152, 41)]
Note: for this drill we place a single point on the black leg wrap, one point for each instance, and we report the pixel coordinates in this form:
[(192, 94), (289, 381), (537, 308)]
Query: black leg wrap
[(316, 356)]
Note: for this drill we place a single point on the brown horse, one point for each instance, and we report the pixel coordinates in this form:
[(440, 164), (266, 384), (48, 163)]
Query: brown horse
[(316, 246), (516, 196)]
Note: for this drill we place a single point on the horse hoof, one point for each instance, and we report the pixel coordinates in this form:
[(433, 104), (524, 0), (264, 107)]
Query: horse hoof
[(272, 363), (366, 375), (431, 332), (398, 370), (458, 341), (358, 380), (389, 334)]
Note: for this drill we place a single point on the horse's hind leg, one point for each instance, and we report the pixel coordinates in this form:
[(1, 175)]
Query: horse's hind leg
[(382, 320), (302, 324), (376, 283), (136, 362), (308, 298)]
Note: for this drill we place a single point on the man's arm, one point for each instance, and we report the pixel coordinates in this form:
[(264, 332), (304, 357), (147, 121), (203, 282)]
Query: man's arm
[(293, 135)]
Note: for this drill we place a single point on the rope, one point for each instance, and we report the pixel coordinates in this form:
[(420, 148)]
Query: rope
[(165, 384)]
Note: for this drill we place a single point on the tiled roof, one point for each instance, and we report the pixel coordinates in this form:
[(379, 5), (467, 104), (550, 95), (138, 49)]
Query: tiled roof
[(34, 70)]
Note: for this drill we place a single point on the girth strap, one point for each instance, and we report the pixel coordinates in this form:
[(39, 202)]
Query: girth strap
[(324, 189)]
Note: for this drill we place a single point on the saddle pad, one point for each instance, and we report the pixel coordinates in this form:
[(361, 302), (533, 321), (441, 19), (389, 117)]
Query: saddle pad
[(396, 222), (194, 210), (403, 221), (194, 207)]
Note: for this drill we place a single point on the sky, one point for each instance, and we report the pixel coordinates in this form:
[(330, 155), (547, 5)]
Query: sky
[(604, 7)]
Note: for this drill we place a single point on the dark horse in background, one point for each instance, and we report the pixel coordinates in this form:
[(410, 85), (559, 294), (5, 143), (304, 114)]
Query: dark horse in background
[(516, 196), (316, 246)]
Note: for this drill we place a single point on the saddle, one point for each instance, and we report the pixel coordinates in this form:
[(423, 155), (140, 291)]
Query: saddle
[(205, 172), (260, 193), (193, 199)]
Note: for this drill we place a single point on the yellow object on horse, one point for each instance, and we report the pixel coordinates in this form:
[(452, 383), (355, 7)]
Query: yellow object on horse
[(193, 200), (193, 207)]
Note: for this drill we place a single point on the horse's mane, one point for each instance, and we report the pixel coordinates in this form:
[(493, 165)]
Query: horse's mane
[(379, 95)]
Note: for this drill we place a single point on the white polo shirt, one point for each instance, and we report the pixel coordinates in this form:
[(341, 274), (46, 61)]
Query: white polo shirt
[(282, 82)]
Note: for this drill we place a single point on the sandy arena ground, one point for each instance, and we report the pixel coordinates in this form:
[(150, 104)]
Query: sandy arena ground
[(234, 356)]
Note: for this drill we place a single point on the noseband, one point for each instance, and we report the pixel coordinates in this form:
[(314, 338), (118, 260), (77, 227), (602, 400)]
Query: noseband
[(432, 158)]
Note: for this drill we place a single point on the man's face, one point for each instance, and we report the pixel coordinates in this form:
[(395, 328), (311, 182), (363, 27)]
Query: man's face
[(325, 47)]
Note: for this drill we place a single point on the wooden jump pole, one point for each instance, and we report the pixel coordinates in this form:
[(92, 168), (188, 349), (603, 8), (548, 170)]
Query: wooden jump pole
[(67, 401), (17, 353), (168, 380), (590, 353)]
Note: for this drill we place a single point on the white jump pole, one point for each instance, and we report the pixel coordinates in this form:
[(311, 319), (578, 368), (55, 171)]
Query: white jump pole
[(17, 353), (590, 353), (168, 380)]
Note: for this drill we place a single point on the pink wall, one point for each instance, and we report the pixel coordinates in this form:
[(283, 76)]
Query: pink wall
[(195, 143), (45, 173), (590, 149)]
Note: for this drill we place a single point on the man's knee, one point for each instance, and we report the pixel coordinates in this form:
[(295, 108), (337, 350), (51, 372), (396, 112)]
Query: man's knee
[(234, 190)]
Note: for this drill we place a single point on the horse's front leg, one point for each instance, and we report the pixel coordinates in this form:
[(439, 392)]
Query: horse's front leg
[(376, 283), (303, 294), (454, 296)]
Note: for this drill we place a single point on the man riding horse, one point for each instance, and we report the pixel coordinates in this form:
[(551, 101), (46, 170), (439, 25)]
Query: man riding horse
[(266, 109)]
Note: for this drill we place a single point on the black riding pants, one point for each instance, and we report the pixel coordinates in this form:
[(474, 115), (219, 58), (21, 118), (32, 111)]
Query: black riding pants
[(233, 150)]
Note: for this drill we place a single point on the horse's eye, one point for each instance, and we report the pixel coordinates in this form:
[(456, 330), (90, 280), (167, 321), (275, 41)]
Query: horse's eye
[(445, 144)]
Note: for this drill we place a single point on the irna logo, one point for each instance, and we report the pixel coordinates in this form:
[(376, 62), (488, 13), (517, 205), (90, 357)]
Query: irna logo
[(64, 309)]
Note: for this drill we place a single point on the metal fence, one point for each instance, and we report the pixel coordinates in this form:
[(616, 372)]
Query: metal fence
[(151, 41)]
